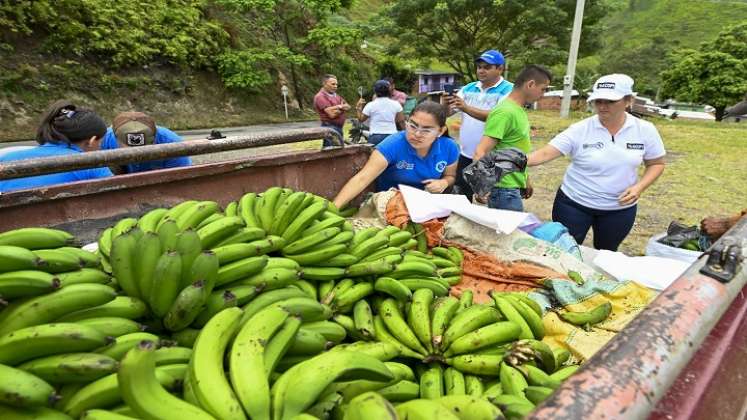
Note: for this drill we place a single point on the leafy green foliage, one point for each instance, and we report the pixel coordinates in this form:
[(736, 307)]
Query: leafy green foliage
[(457, 31), (296, 40), (123, 32), (251, 68), (712, 75)]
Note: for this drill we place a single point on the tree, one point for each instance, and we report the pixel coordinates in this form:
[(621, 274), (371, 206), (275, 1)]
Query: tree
[(457, 31), (712, 77), (280, 35), (714, 74)]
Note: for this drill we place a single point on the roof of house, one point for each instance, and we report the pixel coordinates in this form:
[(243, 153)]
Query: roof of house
[(433, 72)]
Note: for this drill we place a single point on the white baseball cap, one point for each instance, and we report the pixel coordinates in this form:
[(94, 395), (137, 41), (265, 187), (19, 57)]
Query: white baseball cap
[(612, 87)]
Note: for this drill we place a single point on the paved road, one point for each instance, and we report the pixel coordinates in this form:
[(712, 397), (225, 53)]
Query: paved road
[(226, 131)]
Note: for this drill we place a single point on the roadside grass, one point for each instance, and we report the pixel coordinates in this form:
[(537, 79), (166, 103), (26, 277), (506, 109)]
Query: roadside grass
[(706, 174)]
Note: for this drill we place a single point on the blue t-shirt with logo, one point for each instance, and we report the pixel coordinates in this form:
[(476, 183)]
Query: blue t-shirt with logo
[(163, 135), (406, 167), (47, 150)]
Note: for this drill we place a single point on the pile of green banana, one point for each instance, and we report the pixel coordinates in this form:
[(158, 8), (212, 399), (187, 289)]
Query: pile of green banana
[(272, 308), (39, 261)]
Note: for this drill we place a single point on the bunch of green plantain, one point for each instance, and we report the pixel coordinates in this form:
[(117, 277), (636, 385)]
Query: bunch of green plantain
[(271, 308), (39, 261)]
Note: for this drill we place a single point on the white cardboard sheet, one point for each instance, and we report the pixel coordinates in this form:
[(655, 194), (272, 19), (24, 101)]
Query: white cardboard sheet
[(654, 272), (424, 206)]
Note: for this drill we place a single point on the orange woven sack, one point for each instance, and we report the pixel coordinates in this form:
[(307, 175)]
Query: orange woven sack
[(481, 273)]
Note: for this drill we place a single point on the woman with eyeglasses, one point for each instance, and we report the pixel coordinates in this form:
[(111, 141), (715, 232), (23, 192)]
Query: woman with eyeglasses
[(421, 157), (65, 129), (601, 188)]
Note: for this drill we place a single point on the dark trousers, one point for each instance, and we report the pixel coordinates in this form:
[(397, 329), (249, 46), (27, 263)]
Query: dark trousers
[(610, 226), (326, 142), (461, 185), (375, 139)]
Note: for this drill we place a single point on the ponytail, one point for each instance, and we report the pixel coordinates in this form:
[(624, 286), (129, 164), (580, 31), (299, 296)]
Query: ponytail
[(64, 122)]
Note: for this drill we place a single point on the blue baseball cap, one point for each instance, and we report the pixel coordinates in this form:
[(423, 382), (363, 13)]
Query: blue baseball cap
[(492, 57)]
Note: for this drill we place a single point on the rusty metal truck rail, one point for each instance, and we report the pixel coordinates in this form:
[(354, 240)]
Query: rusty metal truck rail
[(85, 207), (636, 369), (40, 166)]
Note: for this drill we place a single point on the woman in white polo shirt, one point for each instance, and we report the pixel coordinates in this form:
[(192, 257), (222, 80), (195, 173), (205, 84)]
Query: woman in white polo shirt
[(600, 189)]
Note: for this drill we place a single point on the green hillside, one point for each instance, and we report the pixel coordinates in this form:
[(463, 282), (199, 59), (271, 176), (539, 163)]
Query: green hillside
[(641, 33)]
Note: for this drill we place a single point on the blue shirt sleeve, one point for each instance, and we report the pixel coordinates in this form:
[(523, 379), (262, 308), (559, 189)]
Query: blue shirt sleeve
[(452, 151), (164, 135), (390, 146), (109, 142), (93, 173)]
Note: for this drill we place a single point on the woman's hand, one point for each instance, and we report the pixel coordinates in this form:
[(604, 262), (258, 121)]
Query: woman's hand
[(528, 191), (436, 186), (630, 195)]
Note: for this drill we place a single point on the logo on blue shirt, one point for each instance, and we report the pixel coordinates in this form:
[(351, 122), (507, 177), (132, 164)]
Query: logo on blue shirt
[(403, 164), (441, 165)]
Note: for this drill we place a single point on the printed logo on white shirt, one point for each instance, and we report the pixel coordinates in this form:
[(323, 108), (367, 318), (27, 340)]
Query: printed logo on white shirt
[(598, 145)]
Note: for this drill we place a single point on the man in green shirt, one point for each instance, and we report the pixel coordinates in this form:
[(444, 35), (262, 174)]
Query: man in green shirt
[(508, 126)]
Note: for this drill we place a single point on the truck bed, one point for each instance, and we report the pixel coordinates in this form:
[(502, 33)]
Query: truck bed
[(684, 356)]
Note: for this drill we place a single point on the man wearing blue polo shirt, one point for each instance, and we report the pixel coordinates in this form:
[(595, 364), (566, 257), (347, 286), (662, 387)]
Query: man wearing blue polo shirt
[(475, 101), (132, 129)]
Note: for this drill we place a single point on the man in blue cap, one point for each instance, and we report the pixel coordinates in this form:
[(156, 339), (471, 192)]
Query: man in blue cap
[(475, 100)]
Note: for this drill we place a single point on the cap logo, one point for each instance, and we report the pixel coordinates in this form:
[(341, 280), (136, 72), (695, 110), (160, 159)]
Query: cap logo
[(135, 139), (606, 85)]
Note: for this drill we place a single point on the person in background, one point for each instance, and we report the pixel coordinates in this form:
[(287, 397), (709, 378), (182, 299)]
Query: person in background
[(507, 126), (65, 129), (395, 94), (385, 114), (601, 188), (421, 157), (133, 129), (330, 106), (715, 227), (475, 102)]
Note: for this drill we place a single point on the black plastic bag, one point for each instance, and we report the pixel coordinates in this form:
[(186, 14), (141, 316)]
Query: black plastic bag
[(679, 234), (483, 174)]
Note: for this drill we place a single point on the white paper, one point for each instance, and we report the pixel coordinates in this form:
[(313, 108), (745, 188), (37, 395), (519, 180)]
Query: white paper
[(654, 272), (424, 206)]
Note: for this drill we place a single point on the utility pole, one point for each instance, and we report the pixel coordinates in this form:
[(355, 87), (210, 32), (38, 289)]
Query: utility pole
[(570, 72), (284, 91)]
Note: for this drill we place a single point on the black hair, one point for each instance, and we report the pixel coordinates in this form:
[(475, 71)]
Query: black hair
[(64, 122), (388, 79), (533, 72), (382, 90), (433, 108)]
